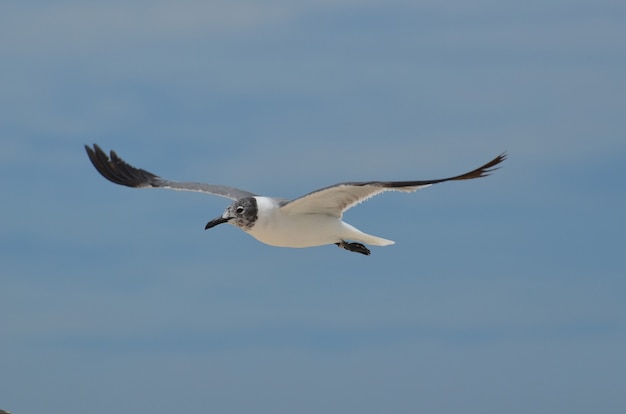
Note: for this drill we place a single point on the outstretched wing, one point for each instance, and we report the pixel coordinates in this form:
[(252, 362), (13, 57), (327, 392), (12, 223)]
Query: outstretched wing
[(336, 199), (116, 170)]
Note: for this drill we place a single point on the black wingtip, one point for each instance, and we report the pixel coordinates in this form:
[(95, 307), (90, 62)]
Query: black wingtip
[(493, 165), (116, 170), (483, 170)]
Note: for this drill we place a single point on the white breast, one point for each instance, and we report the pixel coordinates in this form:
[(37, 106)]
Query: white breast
[(277, 228)]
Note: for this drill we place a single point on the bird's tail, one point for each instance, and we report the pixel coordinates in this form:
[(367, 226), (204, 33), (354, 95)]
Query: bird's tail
[(355, 234), (375, 241)]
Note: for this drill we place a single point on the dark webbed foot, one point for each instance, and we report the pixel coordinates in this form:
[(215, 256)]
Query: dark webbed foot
[(354, 247)]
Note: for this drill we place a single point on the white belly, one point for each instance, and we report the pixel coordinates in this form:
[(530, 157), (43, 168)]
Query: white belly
[(300, 231), (276, 228)]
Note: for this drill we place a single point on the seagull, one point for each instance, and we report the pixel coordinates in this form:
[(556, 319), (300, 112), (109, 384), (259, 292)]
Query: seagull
[(314, 219)]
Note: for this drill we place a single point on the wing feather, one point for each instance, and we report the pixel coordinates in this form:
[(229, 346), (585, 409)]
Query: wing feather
[(338, 198), (116, 170)]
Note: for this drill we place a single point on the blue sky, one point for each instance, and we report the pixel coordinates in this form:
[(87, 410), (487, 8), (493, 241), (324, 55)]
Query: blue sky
[(505, 294)]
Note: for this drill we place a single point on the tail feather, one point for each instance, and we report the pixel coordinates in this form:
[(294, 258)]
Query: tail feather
[(376, 241), (352, 233)]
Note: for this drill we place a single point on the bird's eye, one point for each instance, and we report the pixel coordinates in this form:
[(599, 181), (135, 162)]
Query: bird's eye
[(239, 210)]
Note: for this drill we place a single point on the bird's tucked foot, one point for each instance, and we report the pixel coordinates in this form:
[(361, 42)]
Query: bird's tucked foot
[(354, 247)]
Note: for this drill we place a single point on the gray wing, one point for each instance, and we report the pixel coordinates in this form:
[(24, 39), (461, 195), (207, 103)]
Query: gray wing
[(336, 199), (116, 170)]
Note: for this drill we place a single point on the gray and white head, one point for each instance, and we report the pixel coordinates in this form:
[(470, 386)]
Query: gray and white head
[(243, 213)]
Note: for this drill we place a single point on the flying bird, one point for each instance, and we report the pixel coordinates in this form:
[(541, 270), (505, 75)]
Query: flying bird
[(314, 219)]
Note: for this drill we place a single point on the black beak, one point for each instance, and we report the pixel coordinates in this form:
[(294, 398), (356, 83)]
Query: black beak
[(216, 221)]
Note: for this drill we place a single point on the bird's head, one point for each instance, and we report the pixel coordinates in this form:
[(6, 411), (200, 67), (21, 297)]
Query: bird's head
[(242, 213)]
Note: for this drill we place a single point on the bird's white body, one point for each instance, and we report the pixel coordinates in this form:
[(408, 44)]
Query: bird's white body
[(276, 227)]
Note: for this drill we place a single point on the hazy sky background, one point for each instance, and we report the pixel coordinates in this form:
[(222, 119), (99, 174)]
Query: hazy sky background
[(502, 295)]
